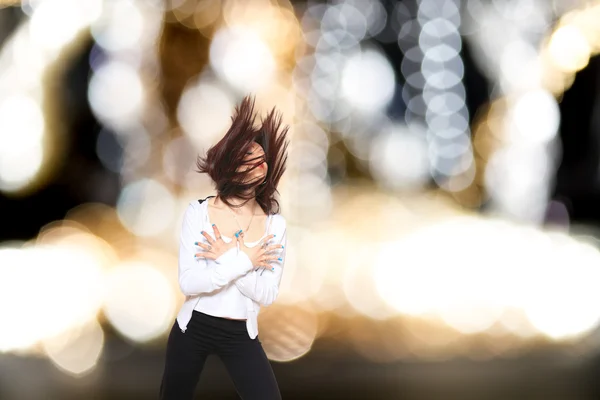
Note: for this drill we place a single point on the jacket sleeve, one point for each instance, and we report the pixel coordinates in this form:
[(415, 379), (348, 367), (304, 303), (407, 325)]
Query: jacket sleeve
[(262, 285), (196, 276)]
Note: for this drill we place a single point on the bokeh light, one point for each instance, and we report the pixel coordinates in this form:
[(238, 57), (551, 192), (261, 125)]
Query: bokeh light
[(139, 301)]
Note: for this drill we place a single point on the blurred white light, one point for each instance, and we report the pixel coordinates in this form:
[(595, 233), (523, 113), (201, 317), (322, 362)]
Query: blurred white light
[(439, 31), (204, 113), (67, 278), (359, 286), (116, 93), (120, 26), (443, 79), (520, 66), (569, 48), (309, 157), (301, 280), (18, 332), (572, 270), (77, 350), (451, 156), (318, 205), (242, 58), (179, 160), (347, 19), (376, 16), (439, 9), (146, 207), (430, 66), (445, 103), (458, 121), (442, 53), (140, 302), (21, 133), (517, 177), (536, 117), (368, 81), (55, 23), (399, 158)]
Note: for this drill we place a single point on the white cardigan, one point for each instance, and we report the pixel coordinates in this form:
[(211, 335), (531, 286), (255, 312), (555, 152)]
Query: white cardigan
[(228, 287)]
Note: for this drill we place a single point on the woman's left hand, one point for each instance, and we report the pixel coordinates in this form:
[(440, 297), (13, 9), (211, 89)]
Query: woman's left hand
[(215, 247)]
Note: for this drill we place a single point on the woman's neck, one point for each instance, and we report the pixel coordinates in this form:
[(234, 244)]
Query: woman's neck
[(248, 208)]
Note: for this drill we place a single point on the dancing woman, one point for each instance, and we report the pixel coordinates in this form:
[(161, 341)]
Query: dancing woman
[(227, 278)]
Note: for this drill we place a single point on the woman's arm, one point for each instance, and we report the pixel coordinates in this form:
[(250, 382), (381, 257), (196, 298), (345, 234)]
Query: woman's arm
[(195, 276), (262, 285)]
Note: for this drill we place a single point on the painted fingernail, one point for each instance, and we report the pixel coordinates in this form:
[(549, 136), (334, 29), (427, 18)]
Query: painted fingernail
[(213, 224), (274, 235), (196, 243), (280, 259), (202, 232), (282, 246), (237, 234), (273, 269)]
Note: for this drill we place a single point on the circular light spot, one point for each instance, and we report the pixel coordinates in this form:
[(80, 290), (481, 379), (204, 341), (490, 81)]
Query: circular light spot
[(140, 302), (287, 333), (569, 48), (368, 81), (146, 207), (77, 350)]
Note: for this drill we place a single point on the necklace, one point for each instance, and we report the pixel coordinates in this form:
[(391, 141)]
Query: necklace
[(238, 223)]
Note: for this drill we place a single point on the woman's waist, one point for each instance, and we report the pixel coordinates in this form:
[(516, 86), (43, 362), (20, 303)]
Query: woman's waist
[(225, 306)]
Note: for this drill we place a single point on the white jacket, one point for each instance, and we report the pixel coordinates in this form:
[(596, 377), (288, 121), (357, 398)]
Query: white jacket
[(228, 287)]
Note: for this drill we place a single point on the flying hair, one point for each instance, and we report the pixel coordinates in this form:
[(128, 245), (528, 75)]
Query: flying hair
[(223, 160)]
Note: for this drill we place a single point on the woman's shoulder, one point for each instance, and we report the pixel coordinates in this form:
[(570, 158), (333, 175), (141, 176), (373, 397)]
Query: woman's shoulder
[(197, 206), (278, 222)]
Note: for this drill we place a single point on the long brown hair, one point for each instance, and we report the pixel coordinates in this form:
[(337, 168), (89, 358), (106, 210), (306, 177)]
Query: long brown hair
[(223, 160)]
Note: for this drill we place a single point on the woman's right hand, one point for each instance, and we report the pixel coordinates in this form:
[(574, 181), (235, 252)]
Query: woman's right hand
[(259, 254), (216, 247)]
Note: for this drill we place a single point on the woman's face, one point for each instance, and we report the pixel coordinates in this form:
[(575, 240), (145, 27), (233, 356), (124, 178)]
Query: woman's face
[(255, 155)]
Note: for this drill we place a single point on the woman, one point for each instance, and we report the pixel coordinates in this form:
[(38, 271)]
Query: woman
[(226, 278)]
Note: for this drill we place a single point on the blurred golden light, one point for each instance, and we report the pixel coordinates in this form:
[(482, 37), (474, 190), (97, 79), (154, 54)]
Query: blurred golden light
[(515, 321), (103, 222), (274, 22), (77, 350), (207, 12), (306, 266), (359, 287), (75, 235), (569, 48), (146, 207), (380, 342), (139, 301), (287, 333)]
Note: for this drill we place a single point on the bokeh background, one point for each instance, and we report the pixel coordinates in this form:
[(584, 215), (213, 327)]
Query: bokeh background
[(441, 196)]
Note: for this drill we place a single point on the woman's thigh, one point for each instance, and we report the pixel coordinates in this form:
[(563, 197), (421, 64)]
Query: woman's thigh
[(184, 361), (250, 369)]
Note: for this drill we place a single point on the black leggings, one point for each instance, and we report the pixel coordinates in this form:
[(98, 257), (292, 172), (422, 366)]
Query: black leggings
[(243, 357)]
